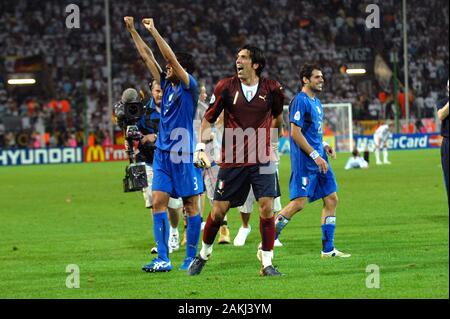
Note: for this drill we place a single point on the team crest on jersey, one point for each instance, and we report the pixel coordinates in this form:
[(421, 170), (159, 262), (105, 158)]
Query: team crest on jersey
[(213, 99), (297, 116)]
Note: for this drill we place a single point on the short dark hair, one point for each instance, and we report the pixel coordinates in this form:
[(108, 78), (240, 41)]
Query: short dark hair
[(186, 60), (307, 70), (257, 57)]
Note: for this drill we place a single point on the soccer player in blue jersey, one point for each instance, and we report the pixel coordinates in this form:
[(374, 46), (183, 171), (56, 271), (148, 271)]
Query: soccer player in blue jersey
[(311, 177), (174, 174), (148, 125)]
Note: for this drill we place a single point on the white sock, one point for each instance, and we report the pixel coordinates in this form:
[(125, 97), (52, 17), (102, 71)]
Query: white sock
[(173, 230), (267, 257), (385, 154), (377, 155), (206, 251)]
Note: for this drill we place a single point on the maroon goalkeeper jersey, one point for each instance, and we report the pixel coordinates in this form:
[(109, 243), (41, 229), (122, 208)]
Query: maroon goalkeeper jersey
[(247, 124)]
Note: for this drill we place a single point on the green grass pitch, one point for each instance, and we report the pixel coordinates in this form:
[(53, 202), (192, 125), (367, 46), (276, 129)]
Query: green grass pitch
[(395, 217)]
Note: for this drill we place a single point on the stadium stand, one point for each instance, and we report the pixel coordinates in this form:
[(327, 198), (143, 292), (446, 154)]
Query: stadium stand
[(73, 61)]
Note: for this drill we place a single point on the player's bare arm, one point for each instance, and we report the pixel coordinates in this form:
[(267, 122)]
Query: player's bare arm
[(143, 49), (167, 51), (299, 138), (277, 123), (443, 112)]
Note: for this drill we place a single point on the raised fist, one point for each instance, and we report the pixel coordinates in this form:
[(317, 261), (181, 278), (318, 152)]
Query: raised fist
[(148, 24), (129, 22)]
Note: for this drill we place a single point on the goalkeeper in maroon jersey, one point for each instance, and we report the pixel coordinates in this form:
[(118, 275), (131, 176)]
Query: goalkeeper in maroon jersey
[(250, 103)]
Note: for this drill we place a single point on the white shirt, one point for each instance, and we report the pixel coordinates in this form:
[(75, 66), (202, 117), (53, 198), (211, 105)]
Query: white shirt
[(382, 132), (356, 162), (249, 91)]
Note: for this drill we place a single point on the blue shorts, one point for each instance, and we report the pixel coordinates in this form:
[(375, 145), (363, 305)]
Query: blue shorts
[(313, 185), (176, 179)]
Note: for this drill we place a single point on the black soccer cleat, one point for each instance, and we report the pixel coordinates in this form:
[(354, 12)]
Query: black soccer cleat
[(196, 266), (270, 271)]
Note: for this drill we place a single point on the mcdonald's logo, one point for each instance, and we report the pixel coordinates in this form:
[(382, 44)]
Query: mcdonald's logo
[(95, 154)]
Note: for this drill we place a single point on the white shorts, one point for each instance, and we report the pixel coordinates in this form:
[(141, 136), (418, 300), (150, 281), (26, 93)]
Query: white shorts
[(174, 203), (379, 140)]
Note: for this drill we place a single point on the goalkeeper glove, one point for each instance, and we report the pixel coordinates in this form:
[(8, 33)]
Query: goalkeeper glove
[(201, 160)]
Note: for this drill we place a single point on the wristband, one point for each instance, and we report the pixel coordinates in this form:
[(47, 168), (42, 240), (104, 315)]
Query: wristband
[(314, 155), (200, 147)]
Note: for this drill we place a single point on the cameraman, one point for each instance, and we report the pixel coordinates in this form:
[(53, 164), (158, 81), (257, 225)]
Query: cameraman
[(148, 126)]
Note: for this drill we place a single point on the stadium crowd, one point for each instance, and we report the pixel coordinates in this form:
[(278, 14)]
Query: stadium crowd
[(290, 32)]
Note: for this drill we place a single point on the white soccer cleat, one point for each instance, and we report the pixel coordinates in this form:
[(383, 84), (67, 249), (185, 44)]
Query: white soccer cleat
[(241, 236), (379, 163), (387, 162), (174, 242), (277, 243), (334, 253)]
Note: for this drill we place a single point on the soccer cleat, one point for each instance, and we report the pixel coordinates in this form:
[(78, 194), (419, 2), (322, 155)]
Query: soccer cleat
[(186, 263), (277, 243), (387, 162), (270, 271), (174, 241), (154, 250), (334, 253), (224, 235), (158, 265), (195, 268), (241, 236), (379, 163)]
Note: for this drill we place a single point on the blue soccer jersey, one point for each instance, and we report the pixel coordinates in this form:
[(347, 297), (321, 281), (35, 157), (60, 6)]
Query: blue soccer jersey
[(174, 174), (149, 123), (178, 108), (307, 114), (306, 180)]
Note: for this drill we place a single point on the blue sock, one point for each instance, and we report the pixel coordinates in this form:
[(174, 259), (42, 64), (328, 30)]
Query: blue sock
[(193, 234), (161, 232), (328, 234)]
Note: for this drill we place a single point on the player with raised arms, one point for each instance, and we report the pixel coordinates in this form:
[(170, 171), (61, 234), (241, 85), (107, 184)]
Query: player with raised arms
[(249, 103), (311, 176), (174, 174)]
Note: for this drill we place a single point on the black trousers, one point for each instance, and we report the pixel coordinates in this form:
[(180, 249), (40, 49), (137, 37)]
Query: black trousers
[(445, 162)]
